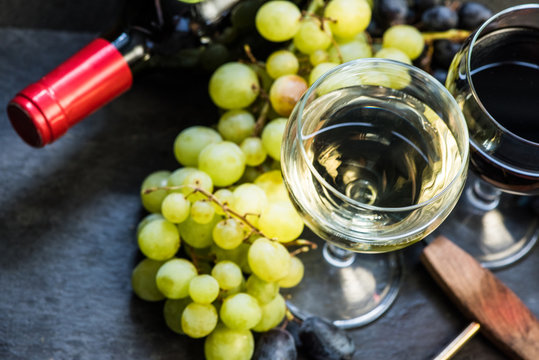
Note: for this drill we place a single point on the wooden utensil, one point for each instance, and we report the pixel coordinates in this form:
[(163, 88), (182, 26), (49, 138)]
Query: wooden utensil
[(502, 316)]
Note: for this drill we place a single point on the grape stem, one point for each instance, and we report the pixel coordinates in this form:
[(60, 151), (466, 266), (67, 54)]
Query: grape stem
[(262, 118), (452, 34), (301, 242)]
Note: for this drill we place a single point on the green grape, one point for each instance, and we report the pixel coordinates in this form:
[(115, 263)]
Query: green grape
[(159, 240), (227, 344), (282, 62), (285, 93), (224, 162), (254, 151), (237, 255), (272, 137), (406, 38), (235, 290), (203, 289), (312, 36), (197, 235), (175, 208), (272, 184), (172, 312), (225, 197), (278, 20), (349, 51), (249, 200), (143, 280), (152, 201), (234, 86), (196, 179), (393, 54), (174, 276), (295, 273), (351, 17), (216, 54), (272, 314), (199, 320), (320, 70), (228, 234), (236, 125), (269, 260), (318, 57), (202, 211), (191, 141), (178, 176), (148, 219), (375, 77), (227, 274), (240, 312), (261, 290), (280, 221)]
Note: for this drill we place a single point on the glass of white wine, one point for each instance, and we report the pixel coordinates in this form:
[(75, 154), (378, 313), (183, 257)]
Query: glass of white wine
[(374, 157)]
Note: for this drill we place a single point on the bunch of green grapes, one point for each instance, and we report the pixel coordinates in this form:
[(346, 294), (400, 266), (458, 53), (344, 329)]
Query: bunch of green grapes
[(216, 243)]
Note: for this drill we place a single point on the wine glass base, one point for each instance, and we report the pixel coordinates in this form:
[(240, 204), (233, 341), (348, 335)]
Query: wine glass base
[(497, 237), (349, 296)]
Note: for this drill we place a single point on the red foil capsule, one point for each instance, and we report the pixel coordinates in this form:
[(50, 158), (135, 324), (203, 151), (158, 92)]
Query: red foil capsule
[(46, 109)]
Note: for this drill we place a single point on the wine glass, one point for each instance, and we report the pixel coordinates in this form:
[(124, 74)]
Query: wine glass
[(495, 80), (374, 157)]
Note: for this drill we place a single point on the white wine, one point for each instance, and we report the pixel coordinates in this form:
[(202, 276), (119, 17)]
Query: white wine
[(370, 152)]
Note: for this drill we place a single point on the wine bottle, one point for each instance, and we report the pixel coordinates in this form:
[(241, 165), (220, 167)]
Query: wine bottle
[(152, 33)]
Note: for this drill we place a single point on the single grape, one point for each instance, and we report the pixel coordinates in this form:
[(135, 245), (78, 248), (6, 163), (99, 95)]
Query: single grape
[(272, 314), (227, 344), (261, 290), (243, 14), (193, 180), (312, 35), (237, 255), (215, 54), (318, 57), (191, 141), (199, 320), (254, 151), (276, 344), (320, 70), (350, 17), (439, 18), (472, 14), (175, 207), (172, 312), (405, 38), (285, 93), (234, 86), (444, 52), (269, 260), (225, 197), (295, 273), (203, 289), (391, 12), (159, 240), (223, 294), (227, 274), (282, 62), (249, 200), (178, 176), (272, 184), (240, 312), (393, 54), (202, 211), (272, 137), (224, 162), (349, 51), (324, 341), (152, 201), (278, 20), (228, 234), (174, 276), (236, 125), (197, 235), (280, 221), (148, 219), (143, 280)]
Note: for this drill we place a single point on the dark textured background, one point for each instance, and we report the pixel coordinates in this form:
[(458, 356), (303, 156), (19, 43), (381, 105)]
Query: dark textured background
[(68, 214)]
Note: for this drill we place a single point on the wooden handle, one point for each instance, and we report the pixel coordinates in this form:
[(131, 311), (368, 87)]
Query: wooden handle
[(504, 319)]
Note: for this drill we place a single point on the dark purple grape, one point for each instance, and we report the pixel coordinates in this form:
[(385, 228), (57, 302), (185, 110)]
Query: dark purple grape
[(374, 29), (472, 14), (439, 18), (444, 52), (391, 12), (440, 75), (293, 328), (275, 344), (423, 5), (324, 341)]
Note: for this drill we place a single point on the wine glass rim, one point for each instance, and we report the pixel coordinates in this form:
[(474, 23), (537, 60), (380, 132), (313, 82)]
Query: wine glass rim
[(462, 122), (477, 34)]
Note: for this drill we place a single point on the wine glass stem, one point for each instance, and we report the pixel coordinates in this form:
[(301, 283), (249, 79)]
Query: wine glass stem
[(337, 256), (483, 196)]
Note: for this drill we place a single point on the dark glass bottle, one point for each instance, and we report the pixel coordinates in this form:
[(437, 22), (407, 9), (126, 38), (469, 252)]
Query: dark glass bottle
[(153, 33)]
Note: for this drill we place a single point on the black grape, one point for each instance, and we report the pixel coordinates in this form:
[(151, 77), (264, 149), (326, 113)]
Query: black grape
[(472, 14), (324, 341), (444, 52), (439, 18), (275, 344), (391, 12)]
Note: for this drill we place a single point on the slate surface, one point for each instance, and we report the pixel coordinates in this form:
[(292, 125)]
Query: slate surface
[(68, 215)]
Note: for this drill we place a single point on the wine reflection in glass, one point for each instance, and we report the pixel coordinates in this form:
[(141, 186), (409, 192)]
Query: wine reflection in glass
[(374, 157), (495, 80)]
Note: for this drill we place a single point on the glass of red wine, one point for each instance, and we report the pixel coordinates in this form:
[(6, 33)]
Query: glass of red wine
[(495, 80)]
